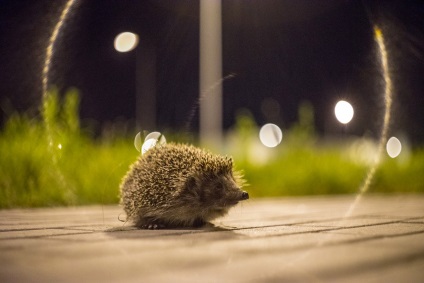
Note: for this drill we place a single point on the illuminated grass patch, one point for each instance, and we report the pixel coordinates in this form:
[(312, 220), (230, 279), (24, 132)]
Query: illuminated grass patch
[(68, 167)]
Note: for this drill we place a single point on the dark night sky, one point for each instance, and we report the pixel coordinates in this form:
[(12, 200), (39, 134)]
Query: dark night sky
[(288, 51)]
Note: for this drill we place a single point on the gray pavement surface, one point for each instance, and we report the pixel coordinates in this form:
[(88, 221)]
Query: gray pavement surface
[(304, 239)]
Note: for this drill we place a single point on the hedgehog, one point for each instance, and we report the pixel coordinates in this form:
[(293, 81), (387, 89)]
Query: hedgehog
[(179, 185)]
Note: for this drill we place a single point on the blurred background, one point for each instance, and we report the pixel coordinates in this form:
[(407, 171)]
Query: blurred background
[(285, 65)]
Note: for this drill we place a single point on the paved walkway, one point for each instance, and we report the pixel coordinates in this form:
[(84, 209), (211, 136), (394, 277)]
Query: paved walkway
[(304, 239)]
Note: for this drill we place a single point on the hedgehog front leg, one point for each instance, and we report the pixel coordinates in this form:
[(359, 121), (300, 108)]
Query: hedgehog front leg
[(151, 224)]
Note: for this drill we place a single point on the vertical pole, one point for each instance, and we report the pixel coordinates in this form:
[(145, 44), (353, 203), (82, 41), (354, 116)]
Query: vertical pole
[(210, 73), (145, 86)]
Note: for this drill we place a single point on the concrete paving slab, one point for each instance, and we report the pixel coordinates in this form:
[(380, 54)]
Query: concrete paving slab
[(305, 239)]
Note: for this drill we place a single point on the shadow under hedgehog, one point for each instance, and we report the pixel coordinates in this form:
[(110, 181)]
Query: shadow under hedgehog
[(178, 185)]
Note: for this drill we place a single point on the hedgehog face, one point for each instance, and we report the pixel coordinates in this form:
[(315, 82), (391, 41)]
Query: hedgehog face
[(221, 192)]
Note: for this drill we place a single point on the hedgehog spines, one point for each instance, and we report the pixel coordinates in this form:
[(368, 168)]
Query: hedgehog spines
[(179, 185)]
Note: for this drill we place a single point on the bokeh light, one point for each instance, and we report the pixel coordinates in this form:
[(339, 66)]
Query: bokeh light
[(270, 135), (148, 144), (343, 111), (137, 142), (393, 147), (125, 41), (151, 140)]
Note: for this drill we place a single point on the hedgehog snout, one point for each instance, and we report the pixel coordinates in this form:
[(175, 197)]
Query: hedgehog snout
[(244, 195)]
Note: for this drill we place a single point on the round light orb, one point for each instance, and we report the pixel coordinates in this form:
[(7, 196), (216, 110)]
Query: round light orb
[(343, 111), (393, 147), (148, 144), (125, 41), (137, 142), (270, 135), (152, 140), (157, 136)]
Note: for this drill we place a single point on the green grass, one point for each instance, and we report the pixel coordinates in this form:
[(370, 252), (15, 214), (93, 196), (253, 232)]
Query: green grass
[(304, 171), (313, 171), (51, 161), (305, 165), (401, 176)]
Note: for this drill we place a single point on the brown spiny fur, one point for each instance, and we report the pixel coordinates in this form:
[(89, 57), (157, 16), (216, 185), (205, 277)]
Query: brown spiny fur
[(177, 185)]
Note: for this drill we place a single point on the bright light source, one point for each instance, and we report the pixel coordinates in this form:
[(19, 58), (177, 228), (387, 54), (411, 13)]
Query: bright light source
[(343, 111), (59, 146), (126, 41), (150, 141), (148, 144), (393, 147), (137, 142), (270, 135)]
